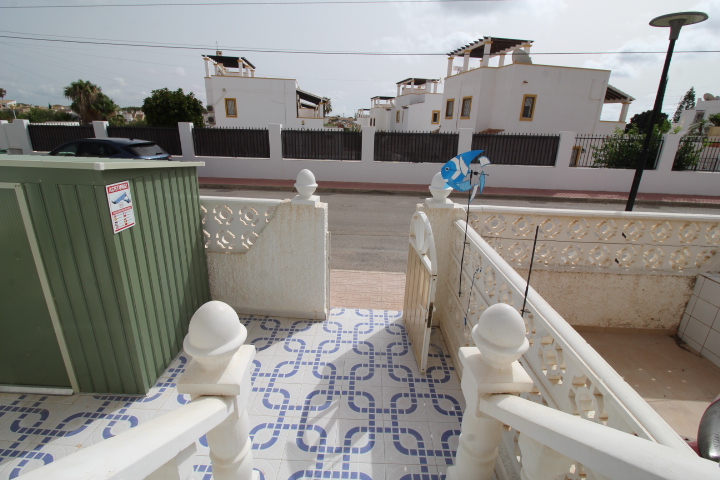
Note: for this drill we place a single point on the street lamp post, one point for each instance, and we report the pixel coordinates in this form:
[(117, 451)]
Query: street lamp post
[(675, 21)]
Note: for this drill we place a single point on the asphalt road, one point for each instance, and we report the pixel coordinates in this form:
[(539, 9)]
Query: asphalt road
[(369, 232)]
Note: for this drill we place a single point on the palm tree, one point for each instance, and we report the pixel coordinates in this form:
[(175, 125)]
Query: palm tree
[(3, 92), (83, 95)]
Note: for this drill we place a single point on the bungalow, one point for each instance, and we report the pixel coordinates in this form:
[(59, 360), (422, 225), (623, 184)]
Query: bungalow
[(237, 98), (416, 107)]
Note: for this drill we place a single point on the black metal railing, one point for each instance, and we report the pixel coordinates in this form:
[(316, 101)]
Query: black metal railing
[(697, 154), (232, 142), (48, 137), (613, 151), (415, 147), (168, 138), (321, 145), (518, 149)]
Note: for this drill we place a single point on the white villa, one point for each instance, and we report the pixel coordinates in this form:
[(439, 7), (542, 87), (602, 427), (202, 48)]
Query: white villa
[(524, 97), (237, 98), (415, 109), (709, 105)]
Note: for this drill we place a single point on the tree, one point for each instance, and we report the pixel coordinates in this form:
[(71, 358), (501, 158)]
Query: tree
[(3, 92), (327, 106), (622, 149), (89, 102), (165, 108), (687, 103), (639, 122)]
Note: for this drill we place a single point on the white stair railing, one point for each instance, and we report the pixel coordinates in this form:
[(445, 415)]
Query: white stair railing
[(551, 443), (218, 379)]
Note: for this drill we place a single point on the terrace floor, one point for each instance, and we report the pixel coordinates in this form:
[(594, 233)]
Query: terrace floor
[(343, 397), (333, 399)]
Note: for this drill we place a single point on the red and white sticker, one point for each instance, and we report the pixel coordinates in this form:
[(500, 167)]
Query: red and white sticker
[(120, 201)]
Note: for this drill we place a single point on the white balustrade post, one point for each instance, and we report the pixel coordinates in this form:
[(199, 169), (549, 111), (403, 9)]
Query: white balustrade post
[(490, 368), (187, 144), (221, 366), (367, 152), (100, 128), (540, 462), (440, 190)]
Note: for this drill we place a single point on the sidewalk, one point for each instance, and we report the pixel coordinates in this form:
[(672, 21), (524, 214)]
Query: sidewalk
[(491, 192)]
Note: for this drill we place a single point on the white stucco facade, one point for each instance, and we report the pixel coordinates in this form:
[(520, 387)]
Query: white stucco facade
[(565, 98), (703, 109), (241, 99)]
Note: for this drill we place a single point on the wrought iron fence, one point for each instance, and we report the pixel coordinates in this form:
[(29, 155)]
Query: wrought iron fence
[(167, 137), (48, 137), (613, 151), (321, 145), (518, 149), (415, 147), (232, 142), (698, 154)]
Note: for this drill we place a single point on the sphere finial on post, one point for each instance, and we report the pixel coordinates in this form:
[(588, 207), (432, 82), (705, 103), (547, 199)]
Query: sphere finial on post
[(305, 185), (215, 334), (500, 335), (440, 191)]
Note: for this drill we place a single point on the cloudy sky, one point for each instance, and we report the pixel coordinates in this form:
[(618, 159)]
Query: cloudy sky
[(36, 71)]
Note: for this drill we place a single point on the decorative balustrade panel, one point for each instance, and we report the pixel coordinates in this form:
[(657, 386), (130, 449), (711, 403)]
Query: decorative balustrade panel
[(569, 374), (617, 241), (233, 225)]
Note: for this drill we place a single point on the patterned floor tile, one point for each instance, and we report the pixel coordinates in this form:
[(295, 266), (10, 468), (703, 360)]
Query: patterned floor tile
[(339, 399)]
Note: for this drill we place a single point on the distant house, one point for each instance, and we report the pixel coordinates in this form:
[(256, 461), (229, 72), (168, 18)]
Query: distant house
[(238, 98), (8, 103), (415, 108), (524, 97), (709, 105)]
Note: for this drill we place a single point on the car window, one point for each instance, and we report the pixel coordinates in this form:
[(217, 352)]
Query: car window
[(146, 150), (68, 150), (92, 149)]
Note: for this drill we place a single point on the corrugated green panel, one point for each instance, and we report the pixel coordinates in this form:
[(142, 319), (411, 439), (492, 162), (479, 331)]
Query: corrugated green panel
[(29, 351), (54, 271), (198, 239)]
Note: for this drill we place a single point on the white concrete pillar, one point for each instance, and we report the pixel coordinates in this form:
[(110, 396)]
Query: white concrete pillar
[(486, 55), (207, 67), (276, 153), (671, 143), (398, 90), (489, 368), (215, 327), (624, 112), (3, 136), (434, 87), (187, 144), (367, 152), (564, 151), (450, 66), (527, 47), (100, 128), (466, 62), (501, 60), (19, 137), (465, 140)]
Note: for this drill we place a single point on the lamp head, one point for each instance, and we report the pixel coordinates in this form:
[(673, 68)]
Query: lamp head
[(677, 20)]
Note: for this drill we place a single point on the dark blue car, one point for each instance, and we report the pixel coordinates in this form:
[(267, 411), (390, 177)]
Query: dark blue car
[(112, 148)]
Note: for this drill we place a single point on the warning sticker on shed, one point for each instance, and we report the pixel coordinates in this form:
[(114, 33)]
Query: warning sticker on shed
[(121, 206)]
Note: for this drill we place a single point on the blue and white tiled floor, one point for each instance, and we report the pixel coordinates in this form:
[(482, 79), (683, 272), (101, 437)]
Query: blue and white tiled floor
[(337, 399)]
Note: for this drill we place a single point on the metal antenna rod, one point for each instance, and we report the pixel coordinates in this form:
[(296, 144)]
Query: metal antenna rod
[(462, 258), (532, 260)]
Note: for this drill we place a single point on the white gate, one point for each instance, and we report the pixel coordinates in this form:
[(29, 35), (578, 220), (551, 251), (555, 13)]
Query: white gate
[(420, 280)]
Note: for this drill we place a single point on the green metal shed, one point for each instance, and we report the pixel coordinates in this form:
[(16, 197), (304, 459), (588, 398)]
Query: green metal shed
[(90, 301)]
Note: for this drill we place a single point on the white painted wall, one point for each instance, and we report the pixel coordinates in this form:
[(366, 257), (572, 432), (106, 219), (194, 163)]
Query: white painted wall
[(260, 101), (710, 107), (700, 326), (567, 98)]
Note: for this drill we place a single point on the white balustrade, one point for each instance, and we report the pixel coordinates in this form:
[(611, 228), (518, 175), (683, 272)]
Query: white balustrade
[(233, 224), (551, 444), (218, 379), (569, 375), (642, 242)]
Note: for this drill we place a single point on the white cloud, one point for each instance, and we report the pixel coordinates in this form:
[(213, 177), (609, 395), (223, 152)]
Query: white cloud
[(120, 81), (180, 71)]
